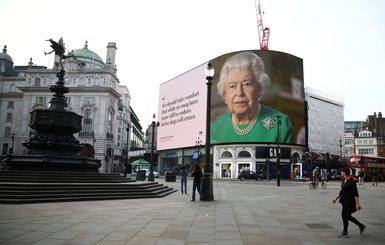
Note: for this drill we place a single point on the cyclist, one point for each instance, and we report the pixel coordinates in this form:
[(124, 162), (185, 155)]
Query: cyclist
[(316, 176)]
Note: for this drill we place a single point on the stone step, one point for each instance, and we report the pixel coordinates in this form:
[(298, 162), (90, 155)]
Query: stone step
[(18, 187), (83, 198), (48, 176)]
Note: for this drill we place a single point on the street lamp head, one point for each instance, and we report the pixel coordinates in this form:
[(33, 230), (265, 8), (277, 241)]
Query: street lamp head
[(209, 71), (153, 119)]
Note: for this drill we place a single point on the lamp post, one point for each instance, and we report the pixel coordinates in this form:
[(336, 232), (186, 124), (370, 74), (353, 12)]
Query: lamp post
[(278, 155), (126, 165), (13, 143), (207, 180), (151, 175)]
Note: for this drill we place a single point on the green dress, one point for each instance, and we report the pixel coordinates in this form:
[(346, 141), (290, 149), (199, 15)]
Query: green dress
[(264, 131)]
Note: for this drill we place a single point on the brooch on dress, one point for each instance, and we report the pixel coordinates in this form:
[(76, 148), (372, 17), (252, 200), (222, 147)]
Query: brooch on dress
[(269, 123)]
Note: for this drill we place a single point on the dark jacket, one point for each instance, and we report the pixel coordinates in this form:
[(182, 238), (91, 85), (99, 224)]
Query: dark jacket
[(183, 174), (361, 173), (197, 176), (347, 195)]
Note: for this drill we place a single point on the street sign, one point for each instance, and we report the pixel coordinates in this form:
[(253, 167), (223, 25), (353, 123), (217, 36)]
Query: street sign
[(196, 155)]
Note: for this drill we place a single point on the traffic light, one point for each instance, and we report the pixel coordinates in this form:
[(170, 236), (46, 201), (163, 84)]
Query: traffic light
[(314, 157), (109, 152)]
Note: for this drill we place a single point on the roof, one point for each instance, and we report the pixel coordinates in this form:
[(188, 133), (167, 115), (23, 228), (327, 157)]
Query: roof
[(85, 53), (4, 55)]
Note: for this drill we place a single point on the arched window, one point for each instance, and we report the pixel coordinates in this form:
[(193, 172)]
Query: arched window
[(37, 81), (97, 81), (82, 81), (226, 154), (12, 88), (244, 154), (52, 81)]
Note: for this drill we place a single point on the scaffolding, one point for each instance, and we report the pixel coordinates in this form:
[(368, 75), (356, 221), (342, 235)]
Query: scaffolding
[(325, 122)]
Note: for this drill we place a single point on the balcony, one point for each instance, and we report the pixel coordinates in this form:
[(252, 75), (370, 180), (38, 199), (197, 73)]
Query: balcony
[(86, 134)]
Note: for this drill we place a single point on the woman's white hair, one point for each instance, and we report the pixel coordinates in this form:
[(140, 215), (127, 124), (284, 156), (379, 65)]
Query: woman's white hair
[(241, 60)]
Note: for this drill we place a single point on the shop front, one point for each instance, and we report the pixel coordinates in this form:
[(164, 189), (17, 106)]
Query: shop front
[(225, 170)]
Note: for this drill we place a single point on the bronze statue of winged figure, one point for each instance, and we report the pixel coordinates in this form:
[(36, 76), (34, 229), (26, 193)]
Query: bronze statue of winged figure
[(59, 50)]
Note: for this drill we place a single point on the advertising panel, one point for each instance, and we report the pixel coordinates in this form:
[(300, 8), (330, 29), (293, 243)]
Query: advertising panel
[(182, 110), (250, 91)]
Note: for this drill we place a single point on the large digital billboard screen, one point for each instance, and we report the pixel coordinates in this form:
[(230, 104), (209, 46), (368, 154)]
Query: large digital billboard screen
[(250, 91), (182, 110)]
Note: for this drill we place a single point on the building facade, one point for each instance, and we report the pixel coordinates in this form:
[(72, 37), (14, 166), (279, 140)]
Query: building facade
[(376, 124), (366, 144), (95, 93)]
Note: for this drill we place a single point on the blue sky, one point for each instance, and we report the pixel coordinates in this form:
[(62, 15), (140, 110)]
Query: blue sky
[(341, 42)]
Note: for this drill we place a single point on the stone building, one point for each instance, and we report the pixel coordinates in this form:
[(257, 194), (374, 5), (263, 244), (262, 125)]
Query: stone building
[(376, 124), (95, 93)]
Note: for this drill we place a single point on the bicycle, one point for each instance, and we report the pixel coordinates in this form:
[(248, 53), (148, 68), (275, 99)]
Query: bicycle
[(315, 186)]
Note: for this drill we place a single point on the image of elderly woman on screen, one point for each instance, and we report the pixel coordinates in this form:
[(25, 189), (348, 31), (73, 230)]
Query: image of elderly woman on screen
[(241, 84)]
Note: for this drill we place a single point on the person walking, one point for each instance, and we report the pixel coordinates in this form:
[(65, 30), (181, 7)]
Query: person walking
[(183, 179), (374, 177), (349, 199), (197, 174), (361, 175)]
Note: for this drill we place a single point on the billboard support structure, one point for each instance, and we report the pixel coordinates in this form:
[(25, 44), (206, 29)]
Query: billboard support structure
[(278, 153)]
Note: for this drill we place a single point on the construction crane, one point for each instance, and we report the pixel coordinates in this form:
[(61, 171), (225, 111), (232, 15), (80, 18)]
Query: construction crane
[(262, 32)]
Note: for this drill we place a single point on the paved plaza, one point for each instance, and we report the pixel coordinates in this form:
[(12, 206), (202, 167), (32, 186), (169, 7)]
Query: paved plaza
[(244, 212)]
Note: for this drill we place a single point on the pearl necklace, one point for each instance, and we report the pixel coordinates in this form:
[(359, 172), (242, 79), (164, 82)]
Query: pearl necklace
[(249, 128)]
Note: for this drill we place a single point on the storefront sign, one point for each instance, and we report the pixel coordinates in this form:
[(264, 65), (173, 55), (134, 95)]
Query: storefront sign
[(196, 155)]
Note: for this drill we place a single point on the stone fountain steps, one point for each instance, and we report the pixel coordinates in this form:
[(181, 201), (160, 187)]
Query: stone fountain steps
[(60, 177), (21, 192)]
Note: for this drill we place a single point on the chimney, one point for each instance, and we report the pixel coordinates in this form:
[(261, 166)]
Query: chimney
[(111, 53), (381, 125)]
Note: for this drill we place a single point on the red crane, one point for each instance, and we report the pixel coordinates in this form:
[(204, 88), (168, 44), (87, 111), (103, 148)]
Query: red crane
[(262, 32)]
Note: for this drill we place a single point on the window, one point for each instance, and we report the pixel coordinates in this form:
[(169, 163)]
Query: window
[(10, 104), (7, 132), (370, 142), (37, 81), (365, 142), (97, 81), (12, 88), (82, 81), (348, 142), (52, 81), (244, 154), (40, 100), (348, 150), (9, 117), (87, 123), (109, 126), (360, 142), (89, 100), (226, 154), (5, 148), (366, 151)]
